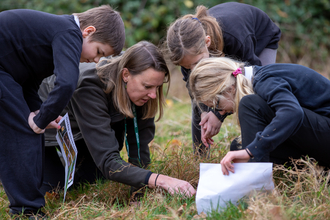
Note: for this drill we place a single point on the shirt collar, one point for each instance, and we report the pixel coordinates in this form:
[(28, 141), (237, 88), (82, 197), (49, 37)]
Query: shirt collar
[(249, 72), (76, 19)]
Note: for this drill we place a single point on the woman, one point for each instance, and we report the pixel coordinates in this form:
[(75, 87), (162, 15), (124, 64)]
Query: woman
[(232, 29), (117, 104), (284, 114)]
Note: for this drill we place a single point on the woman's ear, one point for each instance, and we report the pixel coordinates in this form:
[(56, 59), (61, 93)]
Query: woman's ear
[(125, 75), (88, 31), (208, 40)]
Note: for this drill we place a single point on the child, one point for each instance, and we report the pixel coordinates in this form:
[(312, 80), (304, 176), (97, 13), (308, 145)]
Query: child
[(34, 45), (133, 81), (284, 114), (232, 29)]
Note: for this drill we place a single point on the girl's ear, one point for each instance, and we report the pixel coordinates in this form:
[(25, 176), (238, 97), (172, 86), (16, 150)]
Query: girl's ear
[(125, 75), (233, 89), (88, 31), (208, 40)]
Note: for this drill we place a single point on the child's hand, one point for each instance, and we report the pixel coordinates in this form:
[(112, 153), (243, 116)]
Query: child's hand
[(210, 126), (54, 124), (37, 130), (206, 141), (239, 156), (33, 126)]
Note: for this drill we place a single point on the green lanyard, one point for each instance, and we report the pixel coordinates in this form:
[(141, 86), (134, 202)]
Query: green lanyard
[(136, 130)]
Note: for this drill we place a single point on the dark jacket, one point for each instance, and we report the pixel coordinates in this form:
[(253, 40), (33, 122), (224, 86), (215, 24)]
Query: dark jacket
[(247, 30), (34, 45), (287, 88), (103, 128)]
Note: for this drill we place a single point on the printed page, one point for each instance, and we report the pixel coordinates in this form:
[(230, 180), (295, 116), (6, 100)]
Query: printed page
[(68, 151)]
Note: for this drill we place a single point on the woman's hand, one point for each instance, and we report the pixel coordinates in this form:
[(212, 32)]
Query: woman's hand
[(210, 126), (36, 129), (172, 185), (239, 156)]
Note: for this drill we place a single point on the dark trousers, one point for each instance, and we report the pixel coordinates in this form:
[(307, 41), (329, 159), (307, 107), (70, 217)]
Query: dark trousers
[(21, 150), (312, 138), (198, 146), (86, 170)]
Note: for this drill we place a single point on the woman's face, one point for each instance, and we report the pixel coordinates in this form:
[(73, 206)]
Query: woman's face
[(142, 87)]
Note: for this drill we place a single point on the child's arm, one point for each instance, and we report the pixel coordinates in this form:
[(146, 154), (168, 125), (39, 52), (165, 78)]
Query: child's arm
[(66, 54), (36, 129)]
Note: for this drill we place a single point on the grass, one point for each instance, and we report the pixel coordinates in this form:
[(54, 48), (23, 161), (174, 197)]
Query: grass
[(301, 191)]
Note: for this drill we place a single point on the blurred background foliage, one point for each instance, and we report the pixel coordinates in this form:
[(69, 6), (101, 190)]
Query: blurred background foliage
[(305, 24)]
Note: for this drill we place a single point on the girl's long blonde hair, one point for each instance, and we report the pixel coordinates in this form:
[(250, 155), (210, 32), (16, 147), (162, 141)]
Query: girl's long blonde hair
[(213, 77), (136, 59)]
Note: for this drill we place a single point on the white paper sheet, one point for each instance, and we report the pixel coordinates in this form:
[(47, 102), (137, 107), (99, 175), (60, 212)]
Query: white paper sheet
[(215, 190)]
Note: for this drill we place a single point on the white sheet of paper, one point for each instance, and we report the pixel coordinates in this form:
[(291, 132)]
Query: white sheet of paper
[(215, 190)]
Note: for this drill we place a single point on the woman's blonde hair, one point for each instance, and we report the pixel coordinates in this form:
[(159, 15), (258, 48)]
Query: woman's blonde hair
[(136, 59), (187, 35), (213, 77)]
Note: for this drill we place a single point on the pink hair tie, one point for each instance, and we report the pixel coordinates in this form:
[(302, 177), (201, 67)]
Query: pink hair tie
[(236, 72)]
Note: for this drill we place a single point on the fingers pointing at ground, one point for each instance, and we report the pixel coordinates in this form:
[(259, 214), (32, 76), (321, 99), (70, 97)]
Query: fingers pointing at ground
[(172, 185)]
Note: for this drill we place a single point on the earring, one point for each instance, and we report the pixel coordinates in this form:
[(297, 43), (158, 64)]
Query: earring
[(125, 84)]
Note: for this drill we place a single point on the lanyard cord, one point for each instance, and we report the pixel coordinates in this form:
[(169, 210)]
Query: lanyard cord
[(136, 131)]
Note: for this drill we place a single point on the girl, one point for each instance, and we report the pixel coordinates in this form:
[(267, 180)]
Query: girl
[(284, 114), (117, 104), (232, 29)]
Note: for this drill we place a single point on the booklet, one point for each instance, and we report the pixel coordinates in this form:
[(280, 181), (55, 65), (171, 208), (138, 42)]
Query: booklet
[(68, 153)]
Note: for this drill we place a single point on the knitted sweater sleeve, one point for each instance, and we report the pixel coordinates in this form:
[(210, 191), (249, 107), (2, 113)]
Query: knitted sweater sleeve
[(278, 94)]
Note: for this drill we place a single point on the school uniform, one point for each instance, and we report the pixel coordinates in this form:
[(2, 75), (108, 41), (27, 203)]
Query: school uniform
[(33, 45), (247, 31), (288, 116), (99, 129)]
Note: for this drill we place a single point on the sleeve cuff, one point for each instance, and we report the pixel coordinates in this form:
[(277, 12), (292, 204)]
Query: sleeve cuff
[(219, 116), (146, 180)]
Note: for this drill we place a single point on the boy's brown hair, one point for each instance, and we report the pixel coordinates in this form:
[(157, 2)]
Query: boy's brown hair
[(109, 26)]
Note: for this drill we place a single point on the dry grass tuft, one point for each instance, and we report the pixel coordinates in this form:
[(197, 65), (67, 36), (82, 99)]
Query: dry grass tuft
[(301, 192)]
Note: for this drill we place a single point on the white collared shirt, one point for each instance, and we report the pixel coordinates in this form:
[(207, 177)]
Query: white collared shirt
[(249, 72), (76, 19)]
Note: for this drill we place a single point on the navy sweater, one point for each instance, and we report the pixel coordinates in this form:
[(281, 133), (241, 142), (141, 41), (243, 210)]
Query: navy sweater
[(247, 30), (287, 88), (34, 45)]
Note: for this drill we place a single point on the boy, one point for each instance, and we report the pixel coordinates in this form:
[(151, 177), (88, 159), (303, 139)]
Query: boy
[(34, 45)]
